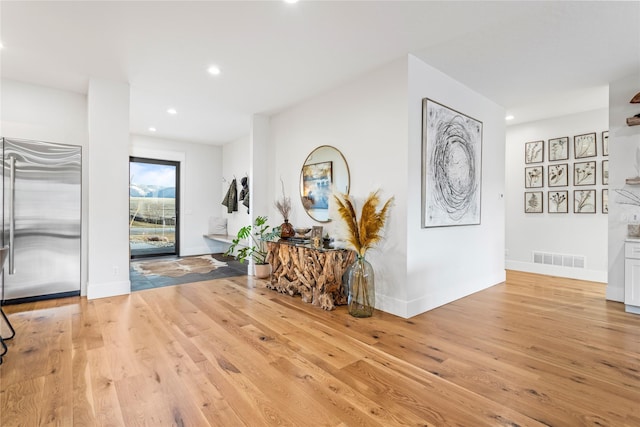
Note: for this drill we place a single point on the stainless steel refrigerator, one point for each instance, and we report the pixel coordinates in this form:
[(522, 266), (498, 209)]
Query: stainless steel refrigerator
[(41, 220)]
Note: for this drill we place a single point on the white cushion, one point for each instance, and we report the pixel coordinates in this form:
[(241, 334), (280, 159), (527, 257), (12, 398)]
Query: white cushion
[(217, 225)]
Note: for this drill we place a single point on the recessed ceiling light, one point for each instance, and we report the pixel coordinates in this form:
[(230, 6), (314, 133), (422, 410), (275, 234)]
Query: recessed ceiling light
[(213, 70), (291, 1), (1, 45), (172, 111), (152, 129), (509, 117)]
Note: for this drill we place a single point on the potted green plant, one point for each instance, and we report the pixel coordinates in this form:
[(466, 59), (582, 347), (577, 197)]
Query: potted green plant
[(251, 244)]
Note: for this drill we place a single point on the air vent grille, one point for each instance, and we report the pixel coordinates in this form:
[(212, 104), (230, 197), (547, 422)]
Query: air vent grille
[(561, 260)]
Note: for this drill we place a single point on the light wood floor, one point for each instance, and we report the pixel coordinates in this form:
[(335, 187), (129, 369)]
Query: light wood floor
[(535, 351)]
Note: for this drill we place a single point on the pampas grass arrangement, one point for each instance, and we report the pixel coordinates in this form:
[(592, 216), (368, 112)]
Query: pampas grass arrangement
[(365, 233)]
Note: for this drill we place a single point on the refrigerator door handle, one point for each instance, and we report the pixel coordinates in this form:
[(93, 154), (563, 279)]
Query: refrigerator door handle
[(12, 219)]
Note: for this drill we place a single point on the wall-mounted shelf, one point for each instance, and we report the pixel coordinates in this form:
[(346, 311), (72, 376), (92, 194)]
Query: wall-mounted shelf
[(633, 121)]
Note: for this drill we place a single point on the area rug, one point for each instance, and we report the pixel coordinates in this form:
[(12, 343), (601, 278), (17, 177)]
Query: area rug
[(178, 267), (148, 274)]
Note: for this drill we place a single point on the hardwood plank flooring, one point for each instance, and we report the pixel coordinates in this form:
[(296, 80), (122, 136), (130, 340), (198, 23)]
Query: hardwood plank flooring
[(534, 351)]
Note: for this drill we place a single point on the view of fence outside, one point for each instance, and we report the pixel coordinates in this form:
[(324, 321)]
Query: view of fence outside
[(152, 208)]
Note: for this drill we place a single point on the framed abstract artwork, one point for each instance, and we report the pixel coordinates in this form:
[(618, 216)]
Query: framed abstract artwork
[(584, 201), (559, 149), (451, 166), (558, 201), (534, 177), (605, 172), (316, 184), (558, 175), (584, 173), (605, 143), (605, 201), (533, 202), (584, 145), (534, 152)]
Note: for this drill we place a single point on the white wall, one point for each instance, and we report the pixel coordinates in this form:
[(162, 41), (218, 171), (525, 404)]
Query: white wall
[(200, 190), (624, 162), (565, 234), (367, 121), (40, 113), (447, 263), (376, 122)]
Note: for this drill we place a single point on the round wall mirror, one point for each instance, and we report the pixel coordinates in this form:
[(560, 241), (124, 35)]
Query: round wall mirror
[(324, 171)]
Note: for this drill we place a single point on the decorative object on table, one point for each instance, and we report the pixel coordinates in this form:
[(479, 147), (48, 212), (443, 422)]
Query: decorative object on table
[(534, 152), (635, 120), (558, 175), (361, 236), (451, 166), (302, 232), (558, 202), (533, 202), (533, 177), (605, 143), (584, 145), (251, 243), (316, 236), (559, 149), (584, 201), (284, 207)]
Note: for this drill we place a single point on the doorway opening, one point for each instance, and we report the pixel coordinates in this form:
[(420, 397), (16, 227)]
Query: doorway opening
[(154, 206)]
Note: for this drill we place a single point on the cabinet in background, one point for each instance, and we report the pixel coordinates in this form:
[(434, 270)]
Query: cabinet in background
[(632, 276)]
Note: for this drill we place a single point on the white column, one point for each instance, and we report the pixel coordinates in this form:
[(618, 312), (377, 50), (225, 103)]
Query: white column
[(108, 118)]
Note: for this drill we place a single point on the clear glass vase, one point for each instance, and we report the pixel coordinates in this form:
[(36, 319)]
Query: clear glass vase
[(361, 286)]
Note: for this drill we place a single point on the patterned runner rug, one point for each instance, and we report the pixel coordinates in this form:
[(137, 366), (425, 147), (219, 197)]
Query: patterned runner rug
[(146, 274)]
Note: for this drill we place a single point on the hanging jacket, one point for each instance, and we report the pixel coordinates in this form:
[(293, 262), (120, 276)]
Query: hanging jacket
[(231, 198), (244, 193)]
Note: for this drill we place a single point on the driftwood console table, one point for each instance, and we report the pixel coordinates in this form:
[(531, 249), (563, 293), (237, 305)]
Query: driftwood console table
[(314, 274)]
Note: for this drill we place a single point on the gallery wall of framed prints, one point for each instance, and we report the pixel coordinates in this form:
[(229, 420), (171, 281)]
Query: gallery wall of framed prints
[(565, 174)]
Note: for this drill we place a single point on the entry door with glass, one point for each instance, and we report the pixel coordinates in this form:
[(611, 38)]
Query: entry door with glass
[(154, 202)]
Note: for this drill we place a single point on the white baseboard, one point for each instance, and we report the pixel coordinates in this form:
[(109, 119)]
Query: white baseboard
[(555, 270), (109, 289)]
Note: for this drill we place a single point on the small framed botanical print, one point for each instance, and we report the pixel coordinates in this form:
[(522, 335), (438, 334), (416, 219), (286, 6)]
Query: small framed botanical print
[(584, 201), (533, 177), (584, 173), (605, 143), (605, 172), (605, 201), (559, 149), (558, 202), (533, 202), (558, 175), (584, 145), (534, 152)]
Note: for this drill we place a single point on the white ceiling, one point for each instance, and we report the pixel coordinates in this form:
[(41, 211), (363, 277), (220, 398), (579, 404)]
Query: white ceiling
[(537, 59)]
